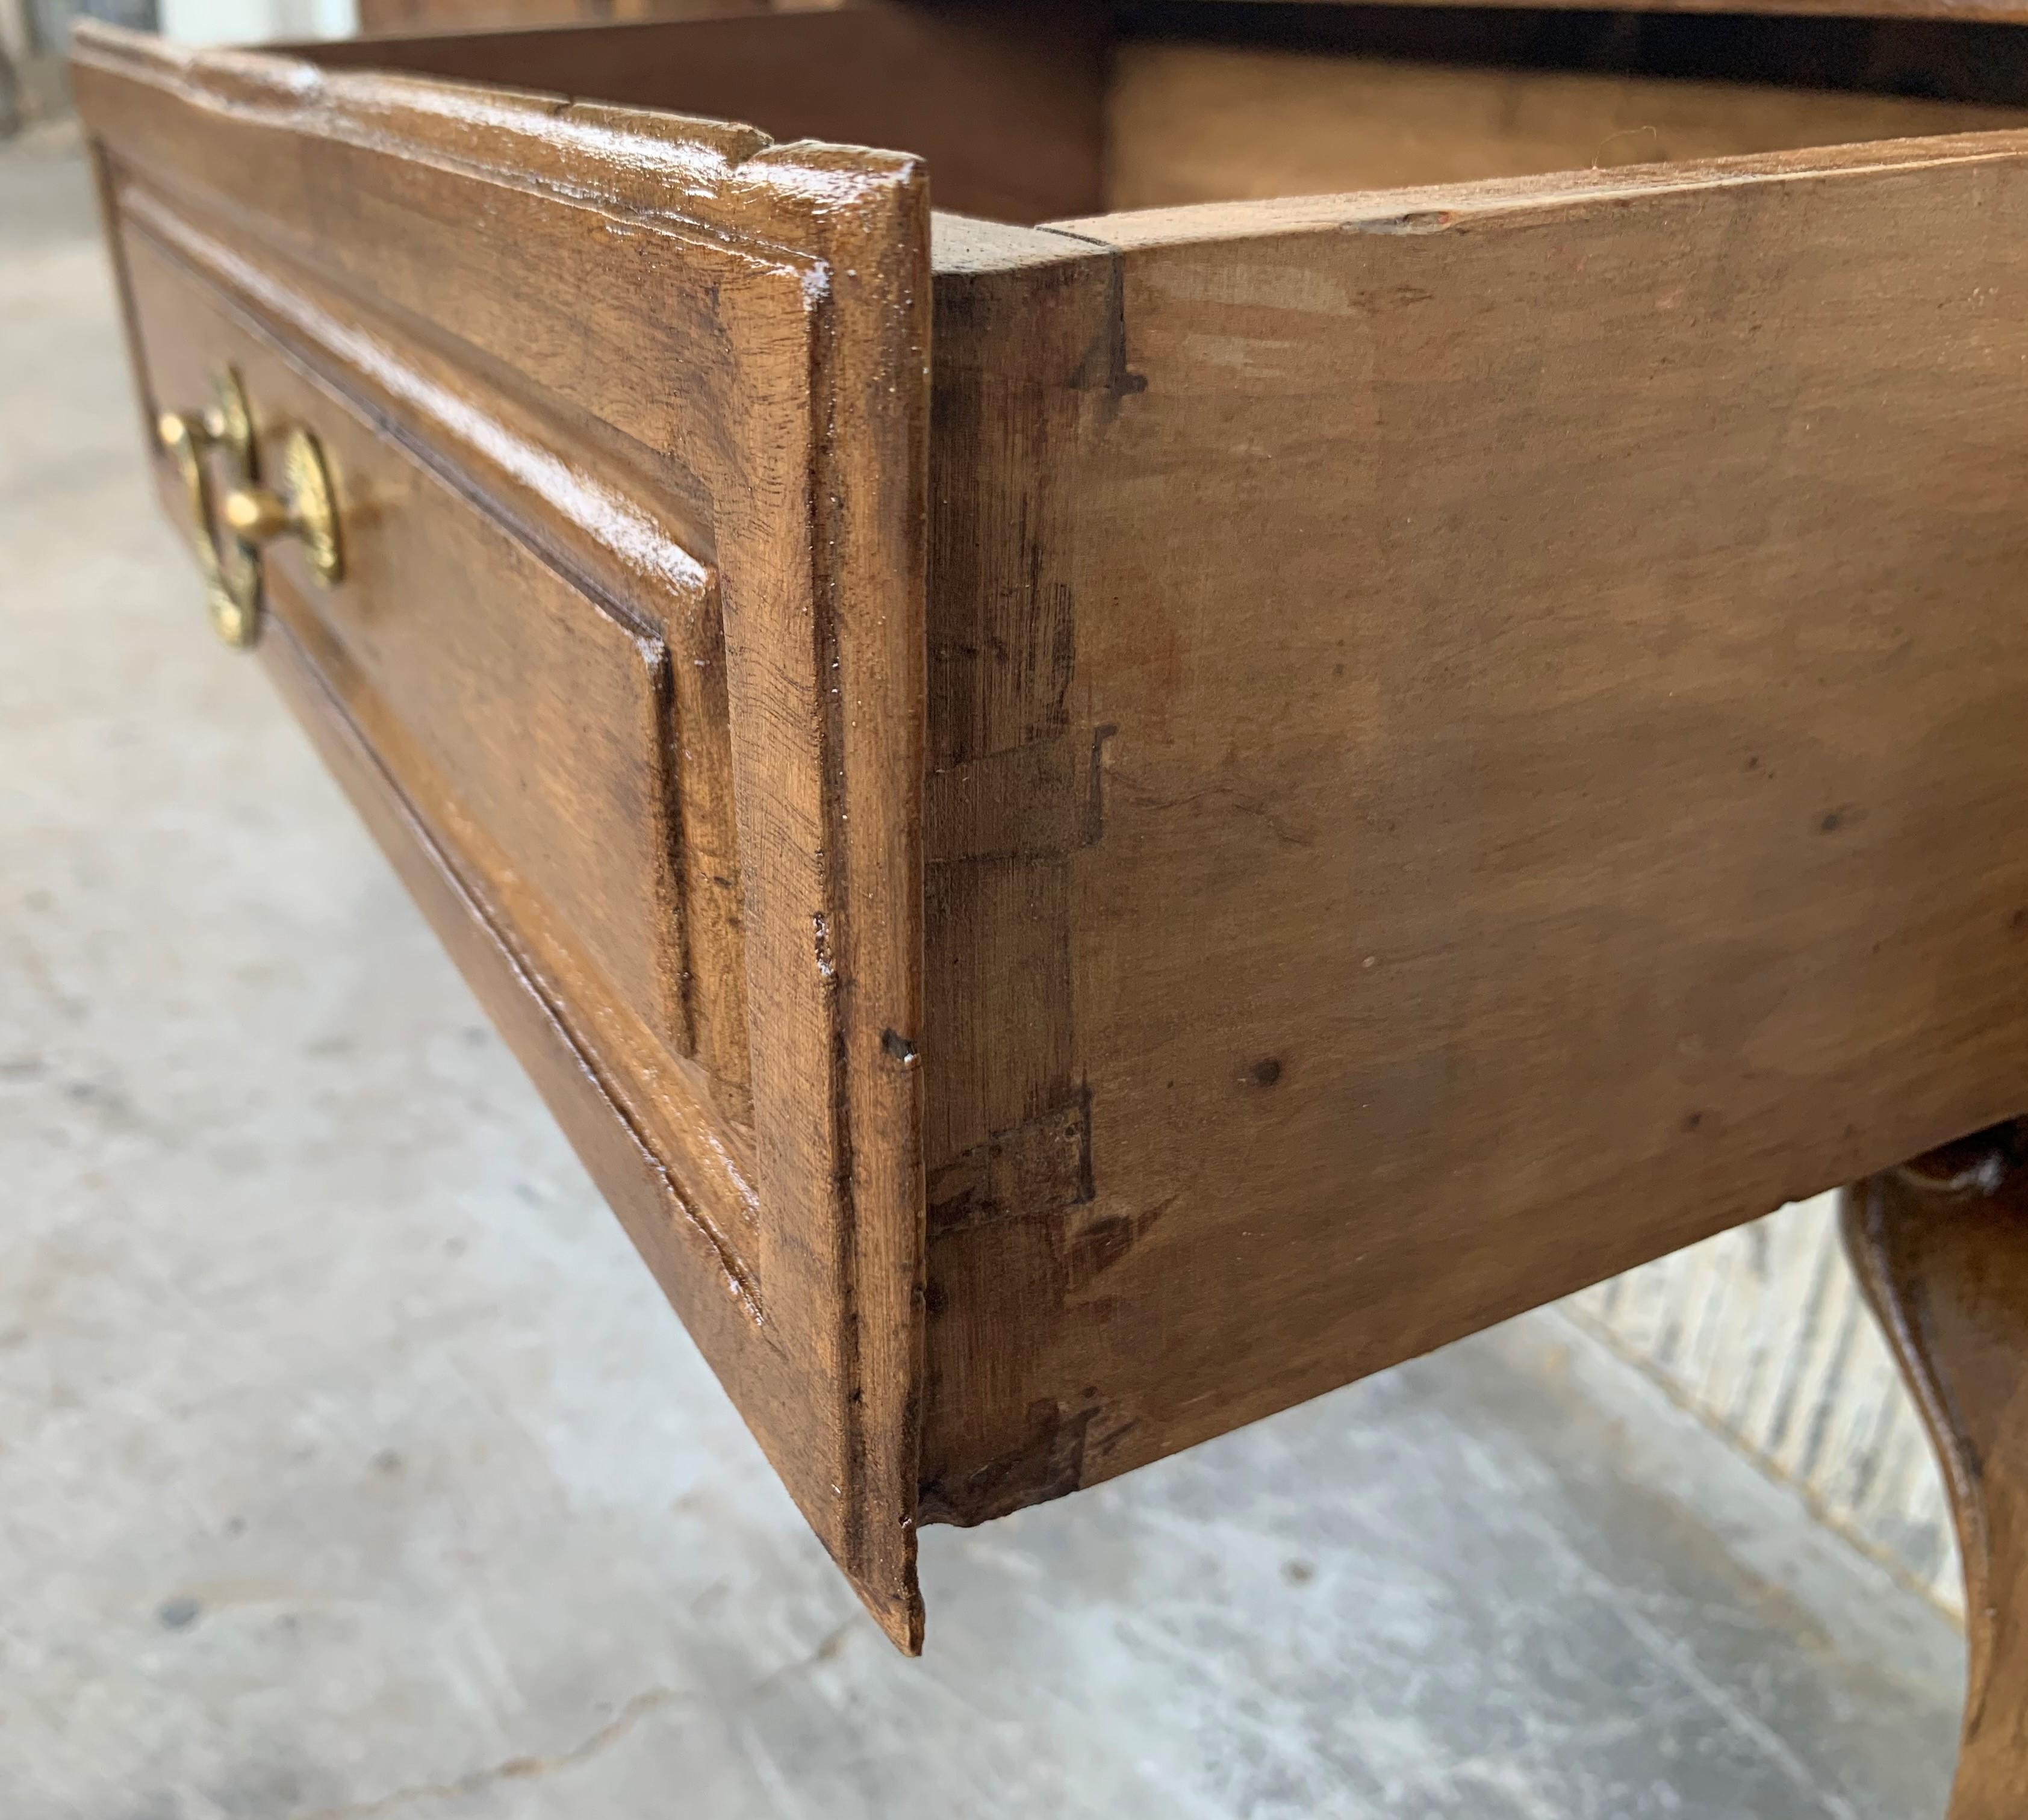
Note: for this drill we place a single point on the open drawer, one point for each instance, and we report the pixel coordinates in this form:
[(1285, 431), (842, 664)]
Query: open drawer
[(1096, 828)]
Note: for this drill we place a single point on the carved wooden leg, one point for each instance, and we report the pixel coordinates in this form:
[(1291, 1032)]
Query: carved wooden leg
[(1941, 1246)]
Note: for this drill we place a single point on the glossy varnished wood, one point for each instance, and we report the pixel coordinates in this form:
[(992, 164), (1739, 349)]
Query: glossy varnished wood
[(1004, 101), (1941, 1248)]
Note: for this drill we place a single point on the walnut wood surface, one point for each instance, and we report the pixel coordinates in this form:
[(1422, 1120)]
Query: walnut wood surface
[(1941, 1249), (616, 399), (1334, 768), (1002, 100), (542, 717), (1208, 123), (1541, 659)]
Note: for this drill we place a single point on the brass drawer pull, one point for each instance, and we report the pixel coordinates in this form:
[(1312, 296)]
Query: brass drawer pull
[(306, 512), (228, 543)]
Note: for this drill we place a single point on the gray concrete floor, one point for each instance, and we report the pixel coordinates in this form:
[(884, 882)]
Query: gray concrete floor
[(350, 1464)]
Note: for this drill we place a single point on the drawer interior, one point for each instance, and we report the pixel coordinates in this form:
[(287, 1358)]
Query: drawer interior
[(1226, 104), (1029, 114)]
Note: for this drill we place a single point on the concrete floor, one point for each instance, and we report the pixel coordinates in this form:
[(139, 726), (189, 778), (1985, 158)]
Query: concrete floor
[(350, 1465)]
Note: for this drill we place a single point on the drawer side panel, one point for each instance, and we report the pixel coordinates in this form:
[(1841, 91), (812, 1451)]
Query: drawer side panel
[(1554, 655)]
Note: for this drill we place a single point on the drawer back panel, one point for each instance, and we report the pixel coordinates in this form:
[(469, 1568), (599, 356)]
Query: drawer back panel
[(1028, 111), (1196, 121), (1002, 98)]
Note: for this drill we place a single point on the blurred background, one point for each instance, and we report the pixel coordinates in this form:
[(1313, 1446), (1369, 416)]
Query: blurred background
[(350, 1464)]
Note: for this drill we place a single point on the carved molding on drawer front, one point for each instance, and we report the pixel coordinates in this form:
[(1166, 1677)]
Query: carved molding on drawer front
[(730, 339), (650, 1196), (611, 541), (463, 730), (460, 431), (711, 215), (667, 1108)]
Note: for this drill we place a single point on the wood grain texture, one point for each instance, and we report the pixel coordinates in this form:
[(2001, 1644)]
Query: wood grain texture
[(1550, 649), (1206, 123), (1940, 1246), (1326, 771), (547, 714), (531, 725), (660, 387), (1003, 101), (1025, 350)]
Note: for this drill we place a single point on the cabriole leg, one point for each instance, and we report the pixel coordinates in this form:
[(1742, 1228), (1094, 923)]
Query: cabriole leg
[(1941, 1246)]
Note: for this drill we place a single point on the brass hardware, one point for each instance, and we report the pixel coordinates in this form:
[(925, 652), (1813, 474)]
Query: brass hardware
[(231, 577), (250, 515), (228, 421), (255, 515)]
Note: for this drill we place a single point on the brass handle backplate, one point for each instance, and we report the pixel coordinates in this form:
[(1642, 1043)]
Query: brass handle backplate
[(227, 542)]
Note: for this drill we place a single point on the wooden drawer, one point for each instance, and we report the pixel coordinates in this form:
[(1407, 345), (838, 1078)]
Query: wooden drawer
[(1095, 828)]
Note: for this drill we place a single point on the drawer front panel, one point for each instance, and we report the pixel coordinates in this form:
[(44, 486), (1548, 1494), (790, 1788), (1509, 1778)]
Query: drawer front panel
[(627, 417), (528, 716), (532, 722)]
